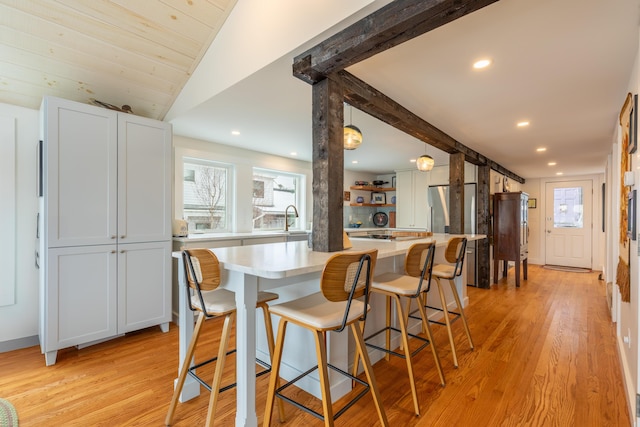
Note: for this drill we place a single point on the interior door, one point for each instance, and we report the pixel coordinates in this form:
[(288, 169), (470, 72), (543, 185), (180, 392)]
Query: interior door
[(568, 224)]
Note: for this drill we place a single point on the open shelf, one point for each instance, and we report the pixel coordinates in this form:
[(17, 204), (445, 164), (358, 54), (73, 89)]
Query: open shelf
[(375, 205), (371, 188)]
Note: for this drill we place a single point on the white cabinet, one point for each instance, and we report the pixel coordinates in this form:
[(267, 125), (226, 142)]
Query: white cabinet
[(105, 239), (412, 209)]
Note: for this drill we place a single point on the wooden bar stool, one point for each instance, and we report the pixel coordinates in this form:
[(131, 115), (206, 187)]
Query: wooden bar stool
[(345, 278), (454, 255), (202, 273), (416, 279)]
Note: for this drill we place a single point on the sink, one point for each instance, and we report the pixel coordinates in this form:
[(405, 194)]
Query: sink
[(296, 235)]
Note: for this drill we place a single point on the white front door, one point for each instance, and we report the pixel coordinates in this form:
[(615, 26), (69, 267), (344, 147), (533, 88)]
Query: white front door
[(568, 224)]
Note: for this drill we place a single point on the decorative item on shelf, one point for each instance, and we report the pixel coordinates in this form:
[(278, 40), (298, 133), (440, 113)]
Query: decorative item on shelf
[(359, 199), (352, 135), (362, 183), (379, 183), (380, 219), (505, 184), (393, 200), (425, 162), (379, 198)]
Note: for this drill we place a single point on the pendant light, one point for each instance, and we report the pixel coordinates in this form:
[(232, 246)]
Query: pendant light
[(425, 162), (352, 135)]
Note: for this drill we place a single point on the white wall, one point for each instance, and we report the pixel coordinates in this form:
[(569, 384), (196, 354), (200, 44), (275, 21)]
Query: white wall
[(628, 312), (19, 322), (272, 35)]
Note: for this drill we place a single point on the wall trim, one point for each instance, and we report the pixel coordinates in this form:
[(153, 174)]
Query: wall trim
[(19, 343)]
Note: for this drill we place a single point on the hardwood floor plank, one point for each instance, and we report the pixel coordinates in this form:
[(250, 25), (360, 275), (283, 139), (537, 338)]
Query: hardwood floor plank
[(545, 356)]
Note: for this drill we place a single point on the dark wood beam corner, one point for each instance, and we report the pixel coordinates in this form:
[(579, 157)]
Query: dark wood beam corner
[(389, 26)]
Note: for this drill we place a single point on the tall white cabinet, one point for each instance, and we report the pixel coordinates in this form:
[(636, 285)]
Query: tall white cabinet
[(104, 224), (412, 209)]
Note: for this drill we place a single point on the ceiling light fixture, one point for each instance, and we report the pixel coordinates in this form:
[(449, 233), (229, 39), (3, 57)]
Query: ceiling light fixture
[(523, 124), (235, 132), (352, 135), (483, 63), (425, 162), (541, 149), (551, 163)]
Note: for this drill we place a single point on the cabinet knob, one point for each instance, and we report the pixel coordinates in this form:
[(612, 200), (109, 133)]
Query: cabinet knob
[(113, 252), (113, 236), (122, 251), (123, 236)]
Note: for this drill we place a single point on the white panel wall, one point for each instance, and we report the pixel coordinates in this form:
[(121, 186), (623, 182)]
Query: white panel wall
[(8, 210), (20, 320)]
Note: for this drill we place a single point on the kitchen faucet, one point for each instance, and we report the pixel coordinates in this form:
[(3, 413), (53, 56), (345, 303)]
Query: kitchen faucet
[(286, 216)]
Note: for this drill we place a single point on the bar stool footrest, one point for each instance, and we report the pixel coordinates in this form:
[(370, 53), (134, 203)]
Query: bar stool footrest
[(455, 315), (202, 382), (310, 411), (425, 341)]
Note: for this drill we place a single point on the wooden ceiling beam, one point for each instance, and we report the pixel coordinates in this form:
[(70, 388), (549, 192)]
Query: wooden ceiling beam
[(389, 26), (375, 103)]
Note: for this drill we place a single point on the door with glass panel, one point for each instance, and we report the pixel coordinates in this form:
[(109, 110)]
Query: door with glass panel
[(568, 224)]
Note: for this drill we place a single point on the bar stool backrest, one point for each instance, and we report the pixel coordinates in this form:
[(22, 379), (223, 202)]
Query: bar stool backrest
[(202, 272), (419, 263), (347, 276), (454, 253)]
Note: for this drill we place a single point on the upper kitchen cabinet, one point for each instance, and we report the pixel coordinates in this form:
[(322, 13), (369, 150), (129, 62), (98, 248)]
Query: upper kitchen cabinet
[(108, 176), (412, 209), (80, 167), (104, 224), (144, 179)]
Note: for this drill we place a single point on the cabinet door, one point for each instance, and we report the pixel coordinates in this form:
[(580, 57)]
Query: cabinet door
[(412, 209), (80, 143), (144, 285), (404, 199), (80, 295), (421, 210), (144, 179)]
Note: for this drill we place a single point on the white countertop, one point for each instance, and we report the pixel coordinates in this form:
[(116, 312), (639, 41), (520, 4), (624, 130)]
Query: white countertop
[(281, 260)]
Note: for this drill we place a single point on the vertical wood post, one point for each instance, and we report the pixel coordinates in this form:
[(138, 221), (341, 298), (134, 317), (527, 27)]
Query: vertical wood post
[(328, 165), (483, 219), (456, 193)]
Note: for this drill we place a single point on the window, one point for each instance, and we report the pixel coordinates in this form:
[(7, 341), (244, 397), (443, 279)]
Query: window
[(207, 200), (568, 208), (273, 191)]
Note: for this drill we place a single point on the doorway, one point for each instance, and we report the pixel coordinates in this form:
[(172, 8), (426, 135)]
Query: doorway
[(568, 224)]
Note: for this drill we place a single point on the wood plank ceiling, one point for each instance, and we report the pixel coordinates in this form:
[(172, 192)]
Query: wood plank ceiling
[(139, 53)]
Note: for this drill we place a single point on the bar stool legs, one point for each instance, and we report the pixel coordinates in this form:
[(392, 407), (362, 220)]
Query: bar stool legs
[(447, 318)]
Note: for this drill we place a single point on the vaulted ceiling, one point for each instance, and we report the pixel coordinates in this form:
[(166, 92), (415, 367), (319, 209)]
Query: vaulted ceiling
[(139, 53)]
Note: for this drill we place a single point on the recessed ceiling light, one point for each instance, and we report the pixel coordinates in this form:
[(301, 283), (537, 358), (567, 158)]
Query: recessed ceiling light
[(558, 173), (293, 153), (235, 132), (483, 63), (523, 123), (541, 149), (355, 162), (412, 160), (552, 163)]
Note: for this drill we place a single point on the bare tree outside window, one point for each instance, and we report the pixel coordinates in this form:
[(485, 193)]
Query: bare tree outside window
[(205, 196)]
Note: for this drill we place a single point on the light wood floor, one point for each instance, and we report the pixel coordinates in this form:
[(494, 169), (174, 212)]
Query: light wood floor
[(545, 356)]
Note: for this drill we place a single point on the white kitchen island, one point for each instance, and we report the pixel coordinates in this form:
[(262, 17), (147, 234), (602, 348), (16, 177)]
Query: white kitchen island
[(295, 270)]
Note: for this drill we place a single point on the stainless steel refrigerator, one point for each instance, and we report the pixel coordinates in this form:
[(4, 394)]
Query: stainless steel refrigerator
[(438, 199)]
